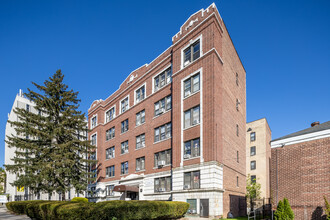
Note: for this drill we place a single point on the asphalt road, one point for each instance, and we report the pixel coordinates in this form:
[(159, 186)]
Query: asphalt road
[(6, 215)]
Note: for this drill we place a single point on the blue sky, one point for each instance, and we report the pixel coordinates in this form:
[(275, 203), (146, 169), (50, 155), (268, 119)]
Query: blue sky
[(284, 46)]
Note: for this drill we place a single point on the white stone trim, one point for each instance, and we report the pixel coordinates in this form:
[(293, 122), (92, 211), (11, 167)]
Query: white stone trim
[(301, 138), (145, 92), (188, 45), (200, 71)]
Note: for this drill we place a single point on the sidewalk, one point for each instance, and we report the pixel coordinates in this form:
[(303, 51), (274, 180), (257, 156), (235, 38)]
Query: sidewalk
[(5, 214)]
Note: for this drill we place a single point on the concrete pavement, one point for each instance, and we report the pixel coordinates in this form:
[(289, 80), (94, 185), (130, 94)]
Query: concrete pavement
[(6, 215)]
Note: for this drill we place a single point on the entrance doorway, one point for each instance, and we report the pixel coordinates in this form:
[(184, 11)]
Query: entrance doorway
[(204, 207)]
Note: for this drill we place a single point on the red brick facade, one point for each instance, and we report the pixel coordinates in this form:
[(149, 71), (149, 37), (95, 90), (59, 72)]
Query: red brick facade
[(222, 82), (301, 173)]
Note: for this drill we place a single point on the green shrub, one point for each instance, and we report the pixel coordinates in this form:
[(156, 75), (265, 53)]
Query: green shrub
[(79, 199), (284, 211), (279, 213), (287, 209), (50, 210)]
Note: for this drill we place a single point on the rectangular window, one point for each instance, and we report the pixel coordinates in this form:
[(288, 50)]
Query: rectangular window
[(140, 141), (109, 115), (252, 150), (162, 79), (163, 158), (124, 168), (237, 130), (237, 156), (93, 140), (27, 107), (110, 171), (140, 163), (94, 121), (140, 94), (124, 105), (191, 148), (253, 136), (191, 117), (163, 105), (109, 190), (162, 184), (253, 165), (237, 79), (124, 147), (253, 178), (140, 117), (191, 85), (92, 156), (124, 126), (163, 132), (110, 133), (191, 180), (237, 181), (192, 206), (191, 53), (110, 153)]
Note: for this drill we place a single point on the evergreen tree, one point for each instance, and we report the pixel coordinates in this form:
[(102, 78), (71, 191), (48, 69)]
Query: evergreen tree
[(279, 213), (287, 209), (2, 179), (50, 155)]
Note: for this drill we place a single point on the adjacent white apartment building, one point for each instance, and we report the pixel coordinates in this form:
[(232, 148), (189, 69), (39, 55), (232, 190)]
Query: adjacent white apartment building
[(22, 193)]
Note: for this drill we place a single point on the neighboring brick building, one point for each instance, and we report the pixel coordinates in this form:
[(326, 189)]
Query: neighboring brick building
[(300, 170), (258, 154), (175, 128)]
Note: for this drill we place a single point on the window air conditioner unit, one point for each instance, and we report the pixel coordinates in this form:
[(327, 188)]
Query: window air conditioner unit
[(186, 156), (126, 150), (196, 122), (138, 169), (161, 163), (143, 144), (186, 187), (161, 189), (161, 111), (186, 63)]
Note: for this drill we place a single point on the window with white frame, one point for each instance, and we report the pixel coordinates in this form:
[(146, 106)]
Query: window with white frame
[(191, 85), (124, 147), (140, 117), (124, 126), (140, 94), (163, 132), (93, 140), (191, 117), (191, 53), (94, 122), (163, 184), (124, 105), (192, 148), (124, 168), (110, 171), (110, 153), (110, 133), (109, 190), (110, 114), (140, 141), (252, 150), (140, 163), (162, 79), (191, 180), (253, 165), (162, 158), (163, 105)]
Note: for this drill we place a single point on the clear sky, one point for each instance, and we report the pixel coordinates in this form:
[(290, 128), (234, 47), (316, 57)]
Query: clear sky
[(284, 46)]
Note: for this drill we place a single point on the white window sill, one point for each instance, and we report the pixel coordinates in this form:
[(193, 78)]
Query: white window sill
[(124, 153), (155, 91), (109, 158), (109, 139), (140, 124), (167, 165), (140, 171), (110, 177), (140, 148), (191, 158), (192, 126), (162, 114), (194, 93), (162, 140), (124, 132)]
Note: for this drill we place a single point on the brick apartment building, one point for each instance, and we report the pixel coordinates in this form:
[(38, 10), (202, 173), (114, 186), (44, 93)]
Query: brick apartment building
[(175, 128), (300, 170)]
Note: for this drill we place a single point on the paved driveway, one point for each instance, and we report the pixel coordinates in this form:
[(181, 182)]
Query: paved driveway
[(4, 214)]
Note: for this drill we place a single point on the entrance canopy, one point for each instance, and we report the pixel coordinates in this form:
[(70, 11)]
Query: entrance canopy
[(125, 188)]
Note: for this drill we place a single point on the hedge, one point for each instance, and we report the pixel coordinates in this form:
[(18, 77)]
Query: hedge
[(49, 210), (79, 199)]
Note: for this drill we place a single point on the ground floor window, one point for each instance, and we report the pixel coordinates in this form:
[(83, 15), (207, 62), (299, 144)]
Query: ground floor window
[(163, 184), (192, 206)]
